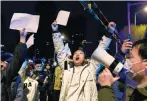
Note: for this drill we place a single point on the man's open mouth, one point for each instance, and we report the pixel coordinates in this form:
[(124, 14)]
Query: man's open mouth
[(77, 58)]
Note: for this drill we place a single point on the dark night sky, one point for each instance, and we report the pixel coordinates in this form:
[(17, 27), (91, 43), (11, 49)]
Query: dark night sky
[(80, 22)]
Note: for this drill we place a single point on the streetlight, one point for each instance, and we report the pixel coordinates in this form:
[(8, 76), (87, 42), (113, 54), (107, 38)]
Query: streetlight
[(145, 9), (128, 10)]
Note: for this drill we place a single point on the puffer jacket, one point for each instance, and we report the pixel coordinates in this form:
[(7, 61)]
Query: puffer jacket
[(87, 90)]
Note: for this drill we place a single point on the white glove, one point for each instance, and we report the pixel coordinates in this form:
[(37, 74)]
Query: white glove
[(111, 27), (54, 26)]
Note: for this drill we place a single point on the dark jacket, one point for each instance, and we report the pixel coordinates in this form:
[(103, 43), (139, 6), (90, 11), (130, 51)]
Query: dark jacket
[(12, 69), (15, 90), (20, 93), (106, 94)]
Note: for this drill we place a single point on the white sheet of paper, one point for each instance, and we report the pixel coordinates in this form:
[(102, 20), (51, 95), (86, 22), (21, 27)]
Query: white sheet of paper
[(62, 17), (27, 21), (30, 41)]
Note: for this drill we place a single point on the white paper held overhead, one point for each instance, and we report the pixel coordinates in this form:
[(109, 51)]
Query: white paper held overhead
[(23, 20), (62, 17)]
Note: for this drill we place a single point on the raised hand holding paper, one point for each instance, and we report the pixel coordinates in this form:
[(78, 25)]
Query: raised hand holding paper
[(23, 20), (62, 17)]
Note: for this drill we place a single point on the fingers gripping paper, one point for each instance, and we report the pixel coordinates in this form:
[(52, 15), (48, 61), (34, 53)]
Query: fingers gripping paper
[(62, 17), (23, 20)]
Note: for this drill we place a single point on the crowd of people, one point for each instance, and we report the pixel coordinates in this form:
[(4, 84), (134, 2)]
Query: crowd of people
[(66, 79)]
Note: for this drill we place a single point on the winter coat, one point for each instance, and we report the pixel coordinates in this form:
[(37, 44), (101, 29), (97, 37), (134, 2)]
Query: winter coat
[(85, 85), (58, 77), (12, 69), (16, 90), (106, 94), (31, 89), (31, 92)]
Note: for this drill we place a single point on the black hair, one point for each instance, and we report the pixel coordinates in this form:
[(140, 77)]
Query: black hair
[(81, 49), (142, 47), (37, 61)]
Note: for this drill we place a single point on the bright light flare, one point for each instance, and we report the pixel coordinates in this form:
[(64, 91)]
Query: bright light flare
[(62, 37), (145, 9)]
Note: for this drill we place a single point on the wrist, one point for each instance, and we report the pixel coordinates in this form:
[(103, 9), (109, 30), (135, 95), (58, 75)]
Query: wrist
[(123, 53), (23, 39), (109, 35)]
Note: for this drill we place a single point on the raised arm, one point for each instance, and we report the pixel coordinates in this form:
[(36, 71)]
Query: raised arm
[(104, 43), (22, 71), (63, 51), (19, 55)]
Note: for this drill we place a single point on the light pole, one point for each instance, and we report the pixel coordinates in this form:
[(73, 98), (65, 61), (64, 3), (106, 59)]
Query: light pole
[(135, 16), (128, 10), (145, 10)]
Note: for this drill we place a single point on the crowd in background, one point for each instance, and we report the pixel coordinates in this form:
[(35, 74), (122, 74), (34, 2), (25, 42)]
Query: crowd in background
[(66, 79)]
